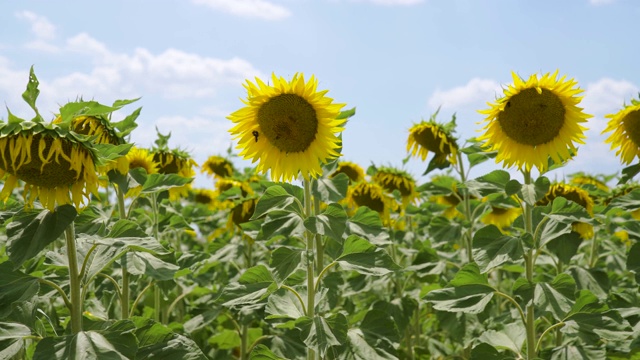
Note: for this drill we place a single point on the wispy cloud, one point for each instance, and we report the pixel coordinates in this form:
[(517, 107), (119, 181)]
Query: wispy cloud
[(41, 27), (248, 8), (476, 91)]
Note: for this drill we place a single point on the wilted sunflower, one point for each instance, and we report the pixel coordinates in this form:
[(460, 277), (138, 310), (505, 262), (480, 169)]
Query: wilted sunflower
[(289, 126), (431, 136), (372, 196), (625, 128), (217, 166), (175, 162), (501, 217), (56, 166), (577, 195), (352, 170), (535, 120), (393, 179)]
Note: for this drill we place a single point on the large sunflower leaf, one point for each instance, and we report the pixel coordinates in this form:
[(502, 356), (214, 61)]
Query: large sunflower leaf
[(261, 352), (591, 327), (402, 310), (531, 193), (253, 286), (155, 183), (285, 261), (83, 345), (15, 286), (490, 183), (555, 297), (320, 333), (143, 263), (283, 222), (574, 351), (158, 342), (330, 189), (31, 231), (633, 260), (367, 223), (512, 337), (331, 222), (276, 198), (11, 339), (470, 299), (284, 304), (375, 339), (360, 255), (492, 248)]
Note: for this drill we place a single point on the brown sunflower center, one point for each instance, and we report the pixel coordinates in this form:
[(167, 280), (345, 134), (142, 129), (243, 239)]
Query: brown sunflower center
[(221, 169), (202, 198), (289, 122), (57, 172), (243, 212), (349, 171), (498, 211), (631, 123), (140, 163), (388, 183), (362, 197), (532, 119), (428, 139), (166, 164)]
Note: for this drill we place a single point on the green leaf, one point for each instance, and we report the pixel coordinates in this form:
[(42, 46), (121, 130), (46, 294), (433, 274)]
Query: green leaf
[(565, 246), (574, 351), (401, 310), (360, 255), (276, 198), (15, 287), (283, 222), (254, 285), (225, 339), (531, 193), (30, 95), (492, 248), (469, 274), (376, 338), (283, 304), (548, 297), (484, 351), (633, 260), (367, 223), (490, 183), (161, 182), (608, 325), (593, 280), (143, 263), (261, 352), (628, 173), (128, 124), (331, 222), (158, 342), (11, 339), (512, 338), (320, 333), (512, 187), (124, 228), (587, 303), (285, 261), (30, 232), (346, 114), (470, 299), (83, 345), (330, 189)]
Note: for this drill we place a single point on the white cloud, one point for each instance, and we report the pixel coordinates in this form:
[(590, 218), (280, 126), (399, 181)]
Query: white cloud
[(475, 91), (601, 2), (41, 27), (248, 8), (392, 2)]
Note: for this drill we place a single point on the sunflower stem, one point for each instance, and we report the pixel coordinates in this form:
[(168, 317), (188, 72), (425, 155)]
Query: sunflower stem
[(528, 262), (124, 298), (74, 280), (467, 210), (593, 258), (319, 243), (309, 237)]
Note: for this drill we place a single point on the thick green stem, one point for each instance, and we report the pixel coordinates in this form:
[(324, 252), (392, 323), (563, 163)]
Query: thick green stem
[(124, 298), (468, 235), (528, 262), (157, 304), (74, 280), (319, 243), (244, 337), (309, 237), (593, 259)]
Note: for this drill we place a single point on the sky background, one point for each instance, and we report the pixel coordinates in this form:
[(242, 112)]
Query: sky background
[(396, 61)]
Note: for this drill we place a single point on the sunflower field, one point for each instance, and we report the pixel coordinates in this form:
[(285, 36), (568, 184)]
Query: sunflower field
[(107, 250)]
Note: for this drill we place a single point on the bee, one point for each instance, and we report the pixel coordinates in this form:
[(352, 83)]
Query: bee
[(508, 104), (255, 134)]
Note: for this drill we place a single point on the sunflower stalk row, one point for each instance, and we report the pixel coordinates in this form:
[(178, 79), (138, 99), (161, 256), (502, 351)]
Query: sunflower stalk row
[(308, 256)]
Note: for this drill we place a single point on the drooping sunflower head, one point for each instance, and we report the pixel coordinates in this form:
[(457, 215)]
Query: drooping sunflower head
[(372, 196), (242, 212), (394, 179), (56, 167), (584, 179), (621, 191), (536, 119), (577, 195), (205, 197), (175, 162), (289, 127), (430, 136), (624, 127), (502, 217), (352, 170), (217, 166)]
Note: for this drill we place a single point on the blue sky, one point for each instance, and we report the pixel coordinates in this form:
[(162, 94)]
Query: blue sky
[(396, 61)]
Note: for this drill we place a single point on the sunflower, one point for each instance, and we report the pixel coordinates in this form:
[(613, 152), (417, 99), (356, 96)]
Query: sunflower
[(583, 179), (56, 166), (217, 166), (535, 120), (141, 158), (205, 197), (242, 212), (352, 170), (451, 202), (431, 136), (501, 217), (625, 132), (175, 162), (223, 185), (393, 179), (372, 196), (290, 127), (577, 195)]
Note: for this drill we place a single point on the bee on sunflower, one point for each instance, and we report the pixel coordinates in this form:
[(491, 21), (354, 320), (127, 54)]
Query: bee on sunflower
[(535, 120), (173, 161), (289, 127)]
